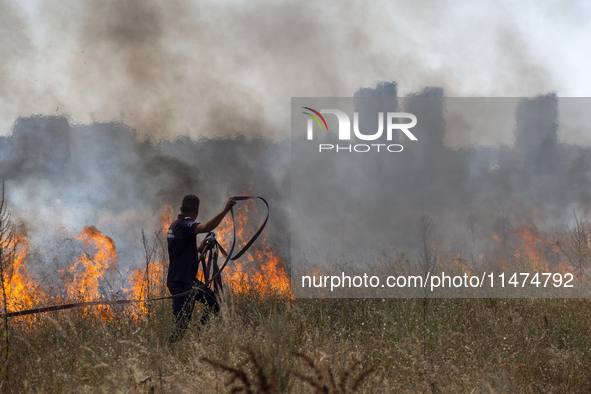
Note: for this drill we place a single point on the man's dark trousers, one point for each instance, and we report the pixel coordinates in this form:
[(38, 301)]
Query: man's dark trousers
[(182, 307)]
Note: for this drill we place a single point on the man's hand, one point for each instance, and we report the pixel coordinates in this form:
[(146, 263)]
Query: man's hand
[(229, 204)]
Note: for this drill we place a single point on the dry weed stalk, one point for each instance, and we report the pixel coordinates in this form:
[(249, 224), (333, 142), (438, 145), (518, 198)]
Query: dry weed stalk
[(8, 247), (264, 379), (578, 246), (144, 386), (323, 379)]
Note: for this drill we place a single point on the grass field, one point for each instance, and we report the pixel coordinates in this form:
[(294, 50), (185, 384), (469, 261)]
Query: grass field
[(276, 344), (264, 341)]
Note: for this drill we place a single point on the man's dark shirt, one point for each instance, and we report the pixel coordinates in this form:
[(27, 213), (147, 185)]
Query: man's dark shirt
[(182, 251)]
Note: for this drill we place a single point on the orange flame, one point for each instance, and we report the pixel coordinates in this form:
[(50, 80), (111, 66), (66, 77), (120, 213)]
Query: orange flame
[(530, 240), (167, 218), (83, 280), (261, 266), (94, 269), (529, 245), (20, 287), (496, 237), (147, 280)]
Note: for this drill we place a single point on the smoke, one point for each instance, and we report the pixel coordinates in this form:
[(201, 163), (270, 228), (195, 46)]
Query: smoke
[(112, 109), (61, 177), (221, 68), (351, 200)]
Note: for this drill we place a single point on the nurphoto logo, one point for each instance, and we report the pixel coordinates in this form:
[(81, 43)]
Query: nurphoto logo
[(344, 130)]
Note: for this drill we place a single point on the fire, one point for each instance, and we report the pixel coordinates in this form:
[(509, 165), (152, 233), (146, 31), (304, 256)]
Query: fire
[(261, 266), (147, 280), (166, 219), (89, 269), (83, 280), (93, 270), (20, 287), (531, 242), (527, 244)]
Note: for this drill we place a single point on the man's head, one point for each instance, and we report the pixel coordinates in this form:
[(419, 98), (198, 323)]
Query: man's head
[(190, 205)]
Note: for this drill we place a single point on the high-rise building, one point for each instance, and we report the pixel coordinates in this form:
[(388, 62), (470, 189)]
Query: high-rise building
[(537, 134)]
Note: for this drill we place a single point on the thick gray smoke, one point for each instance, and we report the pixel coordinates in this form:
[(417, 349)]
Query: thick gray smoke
[(192, 68), (63, 175), (59, 174), (367, 203), (112, 109)]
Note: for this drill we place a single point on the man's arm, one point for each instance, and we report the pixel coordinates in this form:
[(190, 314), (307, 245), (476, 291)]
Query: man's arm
[(212, 223)]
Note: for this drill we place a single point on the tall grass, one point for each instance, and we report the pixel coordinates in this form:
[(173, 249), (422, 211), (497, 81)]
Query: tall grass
[(264, 341), (472, 345)]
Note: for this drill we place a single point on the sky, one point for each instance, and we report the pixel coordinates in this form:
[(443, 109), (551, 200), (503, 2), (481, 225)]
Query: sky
[(231, 67)]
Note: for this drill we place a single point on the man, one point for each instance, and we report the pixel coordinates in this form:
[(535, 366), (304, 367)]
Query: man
[(182, 271)]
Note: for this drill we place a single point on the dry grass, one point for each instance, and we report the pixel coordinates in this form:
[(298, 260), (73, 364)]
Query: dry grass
[(263, 378), (326, 346), (269, 343), (323, 379)]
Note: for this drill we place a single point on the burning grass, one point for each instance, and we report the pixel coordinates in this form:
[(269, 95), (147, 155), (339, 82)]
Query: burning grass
[(265, 341), (268, 342)]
